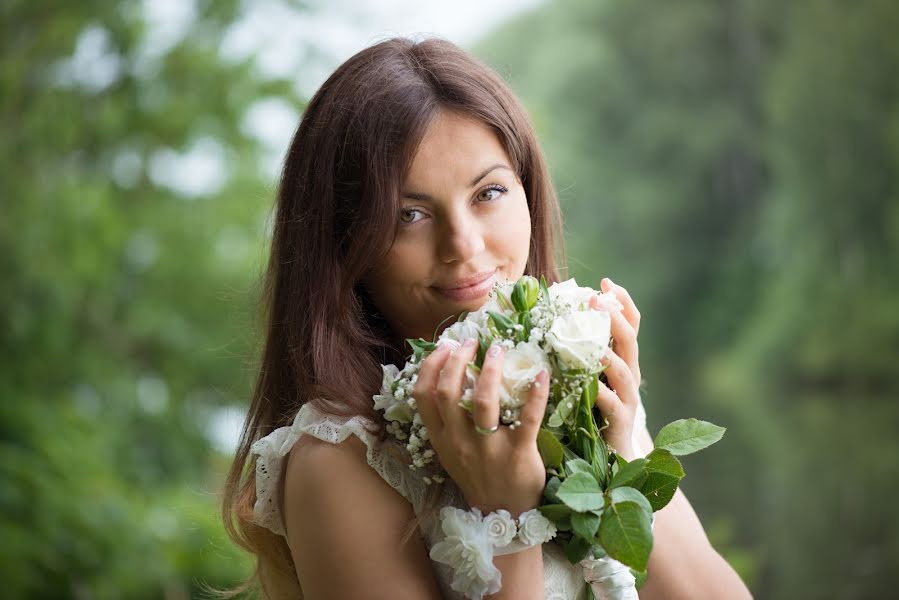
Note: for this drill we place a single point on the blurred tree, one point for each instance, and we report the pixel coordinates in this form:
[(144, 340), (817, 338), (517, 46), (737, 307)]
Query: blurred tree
[(734, 165), (131, 228)]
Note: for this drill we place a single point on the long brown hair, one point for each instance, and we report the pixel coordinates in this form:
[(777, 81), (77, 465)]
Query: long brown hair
[(336, 215)]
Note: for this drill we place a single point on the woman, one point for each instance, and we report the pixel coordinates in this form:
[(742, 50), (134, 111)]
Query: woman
[(413, 184)]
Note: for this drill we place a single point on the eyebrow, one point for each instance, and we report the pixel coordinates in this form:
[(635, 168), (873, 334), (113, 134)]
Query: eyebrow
[(487, 171)]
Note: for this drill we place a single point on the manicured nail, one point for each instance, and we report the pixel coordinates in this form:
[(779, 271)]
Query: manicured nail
[(494, 350), (453, 345), (470, 342)]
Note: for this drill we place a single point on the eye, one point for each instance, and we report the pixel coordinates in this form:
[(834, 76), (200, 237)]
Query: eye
[(494, 187), (407, 211)]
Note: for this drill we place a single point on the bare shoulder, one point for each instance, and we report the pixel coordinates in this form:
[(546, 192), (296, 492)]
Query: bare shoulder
[(344, 524)]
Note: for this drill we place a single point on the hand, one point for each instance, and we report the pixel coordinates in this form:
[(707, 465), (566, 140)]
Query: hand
[(500, 470), (618, 400)]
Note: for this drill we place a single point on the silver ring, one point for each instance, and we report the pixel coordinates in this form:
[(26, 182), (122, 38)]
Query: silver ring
[(483, 431)]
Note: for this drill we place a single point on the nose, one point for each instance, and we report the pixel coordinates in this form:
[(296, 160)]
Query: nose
[(460, 239)]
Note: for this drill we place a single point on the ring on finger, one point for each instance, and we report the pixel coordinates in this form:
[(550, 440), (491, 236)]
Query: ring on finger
[(484, 431)]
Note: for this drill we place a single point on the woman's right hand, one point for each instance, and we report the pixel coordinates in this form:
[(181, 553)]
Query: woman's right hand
[(499, 470)]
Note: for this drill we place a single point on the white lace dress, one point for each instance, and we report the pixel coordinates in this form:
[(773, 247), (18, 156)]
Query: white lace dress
[(562, 580)]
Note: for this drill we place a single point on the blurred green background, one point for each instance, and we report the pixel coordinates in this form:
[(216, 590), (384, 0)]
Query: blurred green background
[(733, 163)]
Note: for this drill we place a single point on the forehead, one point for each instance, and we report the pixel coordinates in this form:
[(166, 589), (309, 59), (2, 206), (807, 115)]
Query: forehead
[(454, 147)]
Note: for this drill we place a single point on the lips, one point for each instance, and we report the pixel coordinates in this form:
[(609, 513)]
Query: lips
[(464, 282), (478, 286)]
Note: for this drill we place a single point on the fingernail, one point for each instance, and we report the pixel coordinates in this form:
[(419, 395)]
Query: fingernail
[(470, 342), (453, 345), (606, 357), (494, 350)]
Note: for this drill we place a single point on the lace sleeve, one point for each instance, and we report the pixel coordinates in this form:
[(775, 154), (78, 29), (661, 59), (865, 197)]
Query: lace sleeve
[(272, 449)]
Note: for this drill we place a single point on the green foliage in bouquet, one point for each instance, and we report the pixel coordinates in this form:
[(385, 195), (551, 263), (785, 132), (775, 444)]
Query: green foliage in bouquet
[(601, 504)]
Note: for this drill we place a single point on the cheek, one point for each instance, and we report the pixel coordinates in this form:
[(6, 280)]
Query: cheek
[(514, 230), (403, 268)]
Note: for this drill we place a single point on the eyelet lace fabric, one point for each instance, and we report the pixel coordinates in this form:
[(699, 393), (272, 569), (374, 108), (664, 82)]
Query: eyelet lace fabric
[(561, 579)]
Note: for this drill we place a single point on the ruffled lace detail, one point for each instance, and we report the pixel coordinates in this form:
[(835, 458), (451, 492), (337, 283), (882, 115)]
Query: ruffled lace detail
[(272, 449), (561, 579)]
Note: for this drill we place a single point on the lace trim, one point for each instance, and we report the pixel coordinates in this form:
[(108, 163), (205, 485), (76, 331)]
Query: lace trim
[(272, 449)]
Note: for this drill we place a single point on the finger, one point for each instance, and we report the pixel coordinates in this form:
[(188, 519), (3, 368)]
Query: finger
[(533, 411), (486, 394), (620, 378), (607, 400), (624, 335), (630, 309), (425, 388), (449, 386)]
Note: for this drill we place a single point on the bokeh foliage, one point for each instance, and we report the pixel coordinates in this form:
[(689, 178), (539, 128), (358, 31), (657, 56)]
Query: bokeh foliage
[(126, 300), (735, 165)]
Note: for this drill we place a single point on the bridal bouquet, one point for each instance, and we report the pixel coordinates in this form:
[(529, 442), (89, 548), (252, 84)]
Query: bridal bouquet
[(601, 504)]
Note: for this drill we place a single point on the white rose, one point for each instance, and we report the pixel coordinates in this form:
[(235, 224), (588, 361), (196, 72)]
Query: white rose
[(580, 338), (462, 330), (520, 368), (534, 528), (568, 292), (500, 527)]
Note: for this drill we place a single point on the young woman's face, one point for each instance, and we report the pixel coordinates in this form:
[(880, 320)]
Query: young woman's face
[(464, 215)]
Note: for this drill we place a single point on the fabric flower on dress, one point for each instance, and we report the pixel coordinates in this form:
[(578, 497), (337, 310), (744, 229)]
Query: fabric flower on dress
[(500, 527), (534, 528), (468, 551)]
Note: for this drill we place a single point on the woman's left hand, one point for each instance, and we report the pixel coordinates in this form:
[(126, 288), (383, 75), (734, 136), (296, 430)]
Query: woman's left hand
[(618, 400)]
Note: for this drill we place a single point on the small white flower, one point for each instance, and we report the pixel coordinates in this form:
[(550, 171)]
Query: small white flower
[(500, 527), (534, 528)]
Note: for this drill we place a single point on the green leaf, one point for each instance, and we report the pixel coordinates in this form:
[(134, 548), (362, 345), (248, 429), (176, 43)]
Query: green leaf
[(483, 345), (544, 290), (519, 297), (585, 524), (629, 494), (420, 346), (503, 301), (629, 473), (626, 535), (579, 465), (550, 448), (601, 461), (581, 492), (555, 420), (640, 576), (663, 474), (686, 436), (559, 514), (576, 549), (564, 409), (502, 323), (552, 486)]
